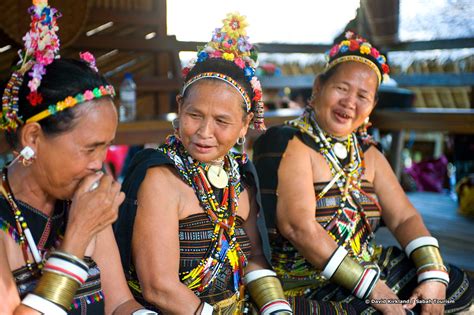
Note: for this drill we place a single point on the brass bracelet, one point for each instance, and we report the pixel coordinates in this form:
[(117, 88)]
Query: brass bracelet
[(265, 289), (427, 255), (348, 273), (57, 288)]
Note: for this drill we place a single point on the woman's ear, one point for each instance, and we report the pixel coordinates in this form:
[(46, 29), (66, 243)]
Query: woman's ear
[(30, 135), (317, 85), (179, 101), (247, 120)]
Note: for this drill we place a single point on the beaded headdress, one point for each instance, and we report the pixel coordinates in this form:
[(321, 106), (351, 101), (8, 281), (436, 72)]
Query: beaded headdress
[(358, 49), (230, 42), (41, 48)]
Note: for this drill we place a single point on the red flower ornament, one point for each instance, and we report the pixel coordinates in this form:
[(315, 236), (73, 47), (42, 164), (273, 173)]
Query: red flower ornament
[(34, 98)]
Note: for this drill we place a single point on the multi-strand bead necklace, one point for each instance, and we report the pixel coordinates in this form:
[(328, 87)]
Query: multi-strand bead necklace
[(224, 247), (346, 176), (25, 237)]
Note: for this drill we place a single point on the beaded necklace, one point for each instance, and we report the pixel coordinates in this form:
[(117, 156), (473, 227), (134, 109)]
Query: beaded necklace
[(26, 238), (344, 227), (224, 247)]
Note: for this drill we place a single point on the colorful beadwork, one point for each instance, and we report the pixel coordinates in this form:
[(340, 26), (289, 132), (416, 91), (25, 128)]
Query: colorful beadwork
[(70, 101), (22, 229), (358, 49), (224, 78), (349, 224), (41, 48), (224, 246), (230, 42)]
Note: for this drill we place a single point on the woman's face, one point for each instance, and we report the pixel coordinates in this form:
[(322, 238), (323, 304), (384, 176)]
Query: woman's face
[(64, 160), (346, 99), (211, 119)]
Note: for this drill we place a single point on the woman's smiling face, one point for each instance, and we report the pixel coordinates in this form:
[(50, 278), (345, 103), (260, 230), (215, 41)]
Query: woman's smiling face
[(346, 99)]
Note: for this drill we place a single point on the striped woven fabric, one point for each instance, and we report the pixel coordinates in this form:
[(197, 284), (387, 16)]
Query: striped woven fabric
[(291, 265), (195, 239), (47, 232), (309, 293), (88, 298)]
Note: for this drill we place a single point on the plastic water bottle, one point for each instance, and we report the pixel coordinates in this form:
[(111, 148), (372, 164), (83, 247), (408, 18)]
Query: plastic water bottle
[(128, 99)]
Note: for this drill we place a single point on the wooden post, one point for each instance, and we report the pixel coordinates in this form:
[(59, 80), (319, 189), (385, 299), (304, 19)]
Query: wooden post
[(161, 62), (395, 158)]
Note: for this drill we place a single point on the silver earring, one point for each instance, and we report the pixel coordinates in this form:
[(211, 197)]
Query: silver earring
[(241, 142), (26, 156), (175, 123)]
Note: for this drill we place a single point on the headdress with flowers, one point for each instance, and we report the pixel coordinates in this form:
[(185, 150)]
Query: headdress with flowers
[(41, 48), (230, 42), (358, 49)]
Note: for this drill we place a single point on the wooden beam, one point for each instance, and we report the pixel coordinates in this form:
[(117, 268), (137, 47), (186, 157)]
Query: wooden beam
[(170, 43), (434, 79), (447, 120), (266, 47), (425, 119), (102, 16), (431, 44), (153, 84), (321, 48), (129, 43)]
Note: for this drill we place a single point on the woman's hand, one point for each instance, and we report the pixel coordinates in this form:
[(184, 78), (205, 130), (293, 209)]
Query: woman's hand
[(380, 296), (429, 290), (91, 212)]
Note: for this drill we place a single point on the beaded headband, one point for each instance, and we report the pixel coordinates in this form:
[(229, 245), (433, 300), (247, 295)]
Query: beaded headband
[(41, 48), (358, 49), (231, 43), (70, 101), (224, 78)]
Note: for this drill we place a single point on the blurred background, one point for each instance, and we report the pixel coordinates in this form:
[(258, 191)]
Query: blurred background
[(424, 119)]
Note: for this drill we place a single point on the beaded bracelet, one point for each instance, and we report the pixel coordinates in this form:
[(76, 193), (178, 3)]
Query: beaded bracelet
[(267, 292)]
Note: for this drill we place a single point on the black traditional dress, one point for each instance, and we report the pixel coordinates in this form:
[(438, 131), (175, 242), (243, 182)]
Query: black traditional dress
[(196, 232), (351, 224), (47, 232)]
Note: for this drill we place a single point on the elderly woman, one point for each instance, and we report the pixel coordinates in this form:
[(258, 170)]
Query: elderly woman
[(57, 249), (188, 232), (326, 187)]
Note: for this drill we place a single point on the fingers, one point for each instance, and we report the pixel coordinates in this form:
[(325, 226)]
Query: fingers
[(88, 181), (106, 183), (412, 303)]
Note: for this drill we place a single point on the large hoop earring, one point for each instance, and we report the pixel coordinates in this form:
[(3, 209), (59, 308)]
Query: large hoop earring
[(241, 143), (175, 124)]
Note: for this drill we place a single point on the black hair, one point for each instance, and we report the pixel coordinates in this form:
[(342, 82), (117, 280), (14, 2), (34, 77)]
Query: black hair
[(326, 75), (64, 77), (224, 67)]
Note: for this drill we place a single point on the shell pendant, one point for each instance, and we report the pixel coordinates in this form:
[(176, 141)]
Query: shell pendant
[(340, 150), (217, 176)]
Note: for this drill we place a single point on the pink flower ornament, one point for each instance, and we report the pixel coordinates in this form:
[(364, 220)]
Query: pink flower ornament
[(88, 95)]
